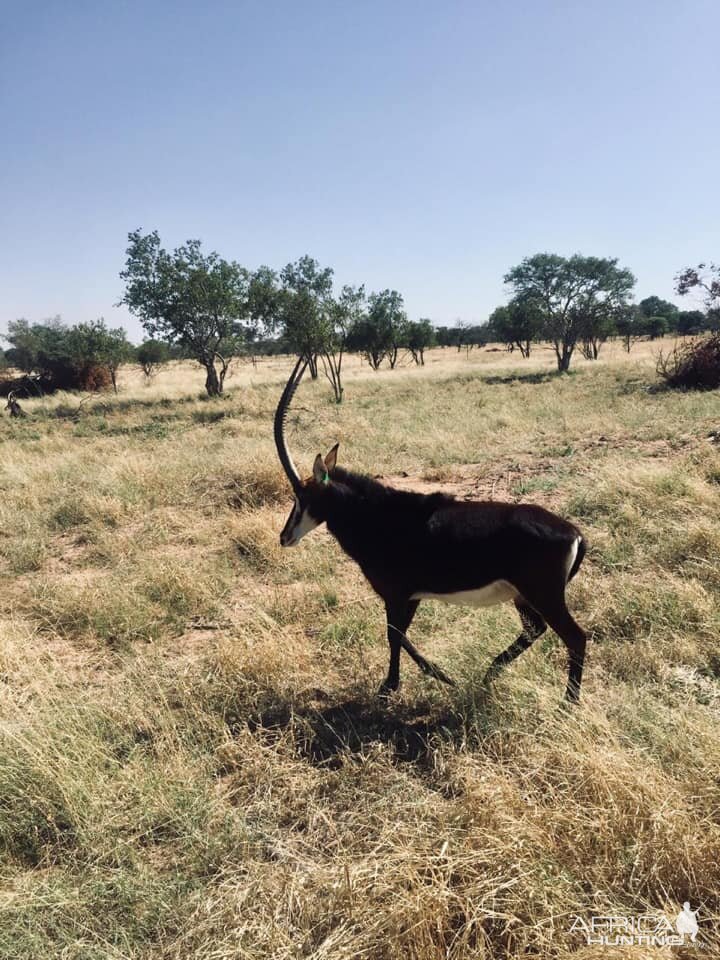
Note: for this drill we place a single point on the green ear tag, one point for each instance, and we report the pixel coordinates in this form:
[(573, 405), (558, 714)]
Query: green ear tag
[(326, 478)]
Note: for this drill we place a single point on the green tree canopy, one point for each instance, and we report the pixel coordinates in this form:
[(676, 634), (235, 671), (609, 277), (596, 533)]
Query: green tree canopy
[(567, 290), (93, 344), (420, 336), (384, 330), (313, 321), (690, 322), (198, 301), (151, 355), (657, 316), (628, 325), (517, 324), (305, 308), (657, 307), (344, 311), (68, 357), (36, 347)]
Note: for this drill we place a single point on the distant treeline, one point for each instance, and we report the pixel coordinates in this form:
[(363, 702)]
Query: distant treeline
[(213, 311)]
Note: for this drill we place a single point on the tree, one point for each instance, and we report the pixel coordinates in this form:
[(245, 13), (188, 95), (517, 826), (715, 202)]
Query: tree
[(151, 355), (597, 323), (380, 331), (199, 302), (387, 316), (712, 320), (566, 290), (370, 339), (654, 327), (690, 322), (344, 312), (652, 308), (91, 345), (517, 324), (446, 336), (263, 297), (657, 317), (304, 308), (472, 335), (628, 325), (313, 322), (420, 337), (86, 356), (705, 277), (36, 348)]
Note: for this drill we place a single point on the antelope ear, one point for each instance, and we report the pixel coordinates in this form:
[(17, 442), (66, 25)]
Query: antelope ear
[(331, 459), (319, 472)]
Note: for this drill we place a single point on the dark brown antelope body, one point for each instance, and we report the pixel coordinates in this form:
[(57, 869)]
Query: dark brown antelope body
[(414, 546)]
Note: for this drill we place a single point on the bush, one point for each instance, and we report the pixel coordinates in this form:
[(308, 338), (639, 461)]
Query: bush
[(151, 355), (83, 357), (694, 365), (92, 377)]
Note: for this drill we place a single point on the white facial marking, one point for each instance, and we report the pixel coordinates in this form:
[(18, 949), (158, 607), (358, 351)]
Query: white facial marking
[(496, 592), (299, 523), (305, 524)]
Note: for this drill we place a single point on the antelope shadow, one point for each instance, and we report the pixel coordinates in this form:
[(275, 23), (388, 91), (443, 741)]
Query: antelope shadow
[(326, 733)]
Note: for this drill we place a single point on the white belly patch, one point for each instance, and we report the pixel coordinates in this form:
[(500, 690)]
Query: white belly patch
[(496, 592)]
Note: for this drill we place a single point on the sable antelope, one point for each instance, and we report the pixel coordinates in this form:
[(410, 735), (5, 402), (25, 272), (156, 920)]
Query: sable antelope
[(415, 546), (13, 406)]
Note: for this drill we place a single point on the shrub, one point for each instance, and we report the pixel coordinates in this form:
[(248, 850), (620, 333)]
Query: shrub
[(693, 365), (151, 355), (85, 357), (93, 377)]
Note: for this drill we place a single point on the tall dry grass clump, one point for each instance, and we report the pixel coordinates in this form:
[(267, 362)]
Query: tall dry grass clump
[(193, 760)]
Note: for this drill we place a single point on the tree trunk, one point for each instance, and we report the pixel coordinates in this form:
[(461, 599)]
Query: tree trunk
[(332, 365), (563, 352), (313, 365), (213, 384)]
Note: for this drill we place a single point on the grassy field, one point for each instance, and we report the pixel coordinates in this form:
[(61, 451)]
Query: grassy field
[(194, 763)]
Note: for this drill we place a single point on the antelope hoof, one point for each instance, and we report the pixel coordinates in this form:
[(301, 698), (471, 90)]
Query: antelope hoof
[(568, 704), (387, 690)]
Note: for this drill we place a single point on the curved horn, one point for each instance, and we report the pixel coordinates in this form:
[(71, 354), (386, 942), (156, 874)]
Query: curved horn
[(280, 415)]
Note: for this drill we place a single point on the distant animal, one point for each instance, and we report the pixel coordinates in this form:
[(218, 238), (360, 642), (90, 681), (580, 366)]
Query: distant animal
[(415, 546), (13, 406)]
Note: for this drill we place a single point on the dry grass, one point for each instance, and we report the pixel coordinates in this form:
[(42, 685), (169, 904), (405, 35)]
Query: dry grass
[(194, 762)]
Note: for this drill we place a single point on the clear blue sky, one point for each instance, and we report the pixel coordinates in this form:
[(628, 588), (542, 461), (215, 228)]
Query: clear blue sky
[(424, 146)]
